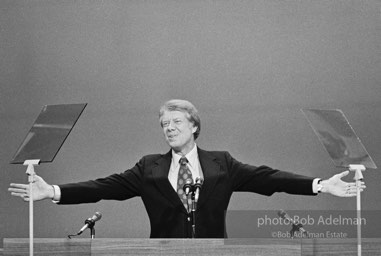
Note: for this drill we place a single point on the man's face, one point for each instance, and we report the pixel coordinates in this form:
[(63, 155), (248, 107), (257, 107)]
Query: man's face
[(178, 131)]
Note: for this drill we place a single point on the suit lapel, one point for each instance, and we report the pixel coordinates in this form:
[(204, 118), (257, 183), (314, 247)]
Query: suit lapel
[(160, 174), (211, 170)]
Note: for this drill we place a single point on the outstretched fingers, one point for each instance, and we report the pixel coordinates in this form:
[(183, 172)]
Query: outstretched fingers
[(20, 190)]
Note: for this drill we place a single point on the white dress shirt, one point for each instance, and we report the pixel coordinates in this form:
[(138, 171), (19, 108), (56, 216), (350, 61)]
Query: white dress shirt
[(193, 165)]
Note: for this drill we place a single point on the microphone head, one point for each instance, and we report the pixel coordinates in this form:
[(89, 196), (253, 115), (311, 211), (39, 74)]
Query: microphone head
[(198, 184), (97, 216), (282, 213), (188, 186)]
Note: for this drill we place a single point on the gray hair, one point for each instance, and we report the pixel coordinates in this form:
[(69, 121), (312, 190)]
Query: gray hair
[(186, 107)]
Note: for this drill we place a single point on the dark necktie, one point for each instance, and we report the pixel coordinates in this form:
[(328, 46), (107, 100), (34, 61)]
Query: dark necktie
[(184, 174)]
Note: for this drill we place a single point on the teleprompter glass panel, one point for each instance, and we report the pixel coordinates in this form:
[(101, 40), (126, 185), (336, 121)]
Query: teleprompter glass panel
[(48, 132), (338, 137)]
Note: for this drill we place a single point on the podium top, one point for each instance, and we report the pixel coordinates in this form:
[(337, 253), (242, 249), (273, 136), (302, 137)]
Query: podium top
[(338, 137), (48, 133), (210, 247)]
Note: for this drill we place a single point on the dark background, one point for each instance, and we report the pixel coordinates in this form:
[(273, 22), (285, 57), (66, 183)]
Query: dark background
[(248, 66)]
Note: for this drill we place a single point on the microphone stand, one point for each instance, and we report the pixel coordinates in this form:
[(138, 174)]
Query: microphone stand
[(298, 228), (92, 232), (91, 225), (193, 210), (194, 190)]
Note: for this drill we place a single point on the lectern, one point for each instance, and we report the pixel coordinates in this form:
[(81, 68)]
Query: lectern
[(199, 247)]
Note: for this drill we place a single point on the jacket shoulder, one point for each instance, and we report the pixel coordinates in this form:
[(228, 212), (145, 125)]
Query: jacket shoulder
[(213, 152), (220, 155), (153, 157)]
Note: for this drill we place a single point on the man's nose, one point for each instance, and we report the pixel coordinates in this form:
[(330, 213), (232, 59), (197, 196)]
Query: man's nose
[(170, 126)]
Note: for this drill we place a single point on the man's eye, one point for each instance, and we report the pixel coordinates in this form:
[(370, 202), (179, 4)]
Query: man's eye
[(165, 124), (178, 121)]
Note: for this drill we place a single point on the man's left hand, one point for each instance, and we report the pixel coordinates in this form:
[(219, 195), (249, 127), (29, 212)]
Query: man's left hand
[(338, 187)]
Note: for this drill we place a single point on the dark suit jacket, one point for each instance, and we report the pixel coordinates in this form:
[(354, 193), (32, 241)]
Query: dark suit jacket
[(168, 218)]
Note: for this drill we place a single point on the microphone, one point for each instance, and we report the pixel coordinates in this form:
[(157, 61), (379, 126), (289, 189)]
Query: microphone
[(296, 226), (89, 223), (197, 188), (188, 186)]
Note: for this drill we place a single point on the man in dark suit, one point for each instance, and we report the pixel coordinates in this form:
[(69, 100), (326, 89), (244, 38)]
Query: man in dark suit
[(159, 180)]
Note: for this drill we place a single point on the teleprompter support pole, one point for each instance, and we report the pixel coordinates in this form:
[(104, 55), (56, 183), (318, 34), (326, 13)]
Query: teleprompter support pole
[(30, 172), (358, 169)]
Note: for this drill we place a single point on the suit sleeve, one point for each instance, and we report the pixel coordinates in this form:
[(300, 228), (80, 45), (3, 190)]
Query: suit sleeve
[(114, 187), (265, 180)]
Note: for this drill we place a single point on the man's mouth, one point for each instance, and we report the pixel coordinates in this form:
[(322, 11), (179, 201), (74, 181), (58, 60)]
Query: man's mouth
[(171, 136)]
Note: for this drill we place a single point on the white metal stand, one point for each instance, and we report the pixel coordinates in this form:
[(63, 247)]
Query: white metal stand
[(30, 172), (358, 169)]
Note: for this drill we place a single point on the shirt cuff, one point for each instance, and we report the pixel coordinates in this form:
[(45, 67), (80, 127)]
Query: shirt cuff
[(315, 185), (57, 194)]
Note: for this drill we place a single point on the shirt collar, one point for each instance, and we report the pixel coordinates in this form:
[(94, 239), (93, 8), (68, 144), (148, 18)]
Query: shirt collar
[(191, 156)]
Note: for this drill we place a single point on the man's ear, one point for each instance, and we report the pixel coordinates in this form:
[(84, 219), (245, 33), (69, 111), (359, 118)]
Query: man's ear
[(194, 129)]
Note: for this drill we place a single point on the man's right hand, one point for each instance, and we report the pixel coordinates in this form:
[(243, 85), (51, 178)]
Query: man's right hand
[(41, 190)]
